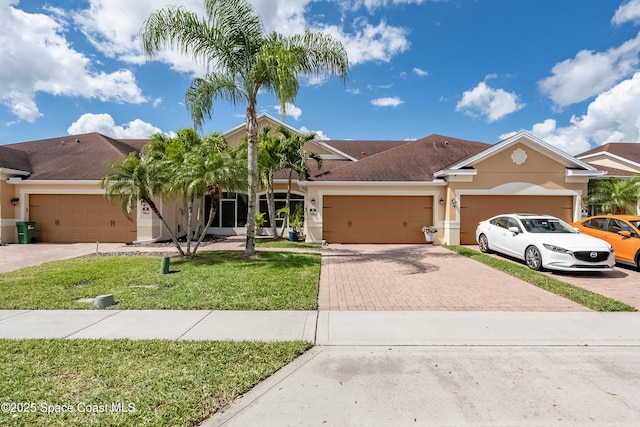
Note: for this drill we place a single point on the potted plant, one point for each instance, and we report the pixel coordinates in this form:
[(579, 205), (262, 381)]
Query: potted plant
[(260, 222), (429, 233), (296, 222)]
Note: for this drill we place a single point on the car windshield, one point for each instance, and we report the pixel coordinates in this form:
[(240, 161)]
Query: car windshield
[(635, 223), (547, 225)]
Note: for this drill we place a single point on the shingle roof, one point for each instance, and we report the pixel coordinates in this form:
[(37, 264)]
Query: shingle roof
[(409, 161), (361, 149), (11, 158), (74, 157)]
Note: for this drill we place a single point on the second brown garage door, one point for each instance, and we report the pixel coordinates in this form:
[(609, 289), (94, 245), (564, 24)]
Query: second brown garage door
[(78, 218), (375, 219), (474, 209)]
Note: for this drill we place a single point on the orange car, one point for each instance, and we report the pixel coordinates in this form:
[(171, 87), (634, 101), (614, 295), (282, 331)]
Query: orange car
[(620, 231)]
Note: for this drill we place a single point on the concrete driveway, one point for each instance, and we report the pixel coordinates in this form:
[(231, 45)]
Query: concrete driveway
[(622, 284), (423, 277)]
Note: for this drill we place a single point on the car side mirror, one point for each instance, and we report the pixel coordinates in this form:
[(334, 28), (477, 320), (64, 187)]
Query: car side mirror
[(514, 230), (624, 233)]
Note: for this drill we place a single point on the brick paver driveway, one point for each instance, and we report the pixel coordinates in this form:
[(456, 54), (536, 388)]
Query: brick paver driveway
[(423, 277)]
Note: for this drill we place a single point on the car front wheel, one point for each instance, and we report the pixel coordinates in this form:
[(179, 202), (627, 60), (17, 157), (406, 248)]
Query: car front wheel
[(533, 258), (483, 243)]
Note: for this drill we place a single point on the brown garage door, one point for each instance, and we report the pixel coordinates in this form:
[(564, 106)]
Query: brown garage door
[(375, 219), (76, 218), (474, 209)]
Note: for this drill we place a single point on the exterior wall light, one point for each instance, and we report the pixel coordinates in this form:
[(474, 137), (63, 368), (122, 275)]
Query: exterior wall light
[(14, 201), (454, 203), (441, 201)]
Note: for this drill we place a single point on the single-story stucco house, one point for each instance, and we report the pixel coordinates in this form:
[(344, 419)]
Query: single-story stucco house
[(365, 191)]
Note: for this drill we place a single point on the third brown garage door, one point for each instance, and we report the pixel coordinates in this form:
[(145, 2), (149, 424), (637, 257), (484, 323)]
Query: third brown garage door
[(474, 209), (77, 218), (375, 219)]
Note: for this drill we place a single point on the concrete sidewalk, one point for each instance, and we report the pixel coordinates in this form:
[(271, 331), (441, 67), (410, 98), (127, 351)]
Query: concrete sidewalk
[(332, 328)]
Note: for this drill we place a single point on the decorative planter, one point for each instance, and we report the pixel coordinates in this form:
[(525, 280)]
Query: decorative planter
[(294, 236), (429, 237)]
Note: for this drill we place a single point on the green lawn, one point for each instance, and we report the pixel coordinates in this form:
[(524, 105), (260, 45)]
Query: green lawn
[(574, 293), (159, 383), (224, 280), (270, 242)]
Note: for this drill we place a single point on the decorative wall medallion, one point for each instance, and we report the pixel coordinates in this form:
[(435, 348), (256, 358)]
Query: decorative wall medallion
[(519, 156)]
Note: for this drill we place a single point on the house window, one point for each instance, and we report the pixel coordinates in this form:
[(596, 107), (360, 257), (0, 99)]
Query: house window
[(281, 202), (231, 212)]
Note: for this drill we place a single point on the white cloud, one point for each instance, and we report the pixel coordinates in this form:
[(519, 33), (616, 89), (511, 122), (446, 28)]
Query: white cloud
[(629, 11), (104, 124), (369, 43), (374, 4), (590, 73), (613, 116), (483, 100), (117, 35), (36, 57), (291, 110), (387, 102), (320, 135), (420, 72)]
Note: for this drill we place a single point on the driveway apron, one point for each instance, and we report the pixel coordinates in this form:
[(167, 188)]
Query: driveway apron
[(423, 277)]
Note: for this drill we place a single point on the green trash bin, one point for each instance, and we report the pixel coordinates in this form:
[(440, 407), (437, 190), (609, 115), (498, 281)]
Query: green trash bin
[(26, 232)]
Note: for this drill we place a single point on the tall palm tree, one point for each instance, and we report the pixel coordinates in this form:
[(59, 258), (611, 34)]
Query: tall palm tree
[(296, 159), (133, 180), (617, 196), (243, 59), (270, 160)]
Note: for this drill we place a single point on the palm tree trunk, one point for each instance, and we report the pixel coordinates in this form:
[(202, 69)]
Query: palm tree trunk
[(155, 210), (189, 217), (252, 160), (215, 202), (287, 205), (271, 206)]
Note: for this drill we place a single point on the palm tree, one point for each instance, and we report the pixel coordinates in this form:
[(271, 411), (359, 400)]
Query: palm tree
[(270, 160), (132, 179), (296, 159), (194, 168), (243, 59), (616, 196)]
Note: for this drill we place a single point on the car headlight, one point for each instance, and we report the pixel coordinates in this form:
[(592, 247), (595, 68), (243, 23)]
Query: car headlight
[(558, 249)]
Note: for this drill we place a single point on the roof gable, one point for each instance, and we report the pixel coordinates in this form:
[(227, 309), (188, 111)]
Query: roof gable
[(15, 161), (529, 140)]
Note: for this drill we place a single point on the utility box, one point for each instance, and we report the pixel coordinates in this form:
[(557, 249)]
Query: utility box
[(26, 232)]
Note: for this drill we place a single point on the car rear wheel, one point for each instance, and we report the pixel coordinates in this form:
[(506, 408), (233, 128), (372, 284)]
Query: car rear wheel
[(483, 243), (533, 258)]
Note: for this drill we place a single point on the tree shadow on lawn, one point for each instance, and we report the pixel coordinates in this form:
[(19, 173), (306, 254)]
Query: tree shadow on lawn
[(280, 260)]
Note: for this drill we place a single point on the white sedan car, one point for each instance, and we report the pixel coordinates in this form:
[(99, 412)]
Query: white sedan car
[(544, 241)]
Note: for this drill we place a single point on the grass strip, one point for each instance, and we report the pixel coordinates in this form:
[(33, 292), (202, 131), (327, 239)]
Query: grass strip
[(270, 242), (56, 382), (214, 280), (574, 293)]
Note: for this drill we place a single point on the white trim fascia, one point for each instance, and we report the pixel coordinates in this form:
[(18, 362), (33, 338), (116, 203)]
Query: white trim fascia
[(328, 146), (460, 172), (14, 172), (579, 172), (613, 156), (258, 117), (435, 183), (499, 146)]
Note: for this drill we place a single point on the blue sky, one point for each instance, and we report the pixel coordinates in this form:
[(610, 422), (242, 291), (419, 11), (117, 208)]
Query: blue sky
[(565, 70)]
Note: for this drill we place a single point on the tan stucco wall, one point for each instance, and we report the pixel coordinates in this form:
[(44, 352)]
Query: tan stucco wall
[(8, 232)]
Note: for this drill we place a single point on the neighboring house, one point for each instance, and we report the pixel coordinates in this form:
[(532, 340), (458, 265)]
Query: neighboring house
[(365, 191), (618, 159)]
